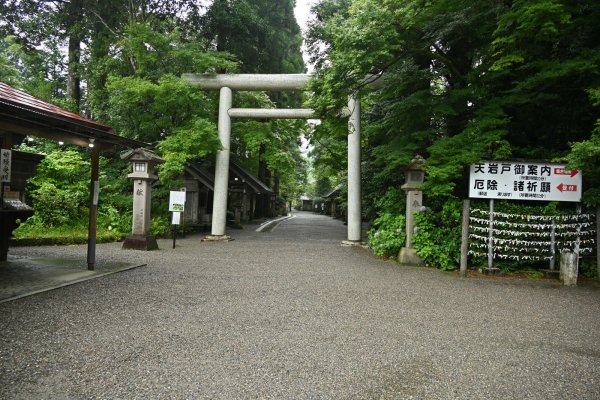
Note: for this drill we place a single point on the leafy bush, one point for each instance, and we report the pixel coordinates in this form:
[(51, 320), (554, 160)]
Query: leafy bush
[(60, 188), (388, 235), (437, 235), (392, 201), (32, 234), (160, 226), (111, 219), (55, 207)]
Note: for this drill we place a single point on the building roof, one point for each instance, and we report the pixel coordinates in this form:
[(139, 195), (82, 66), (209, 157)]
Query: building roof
[(334, 192), (197, 171), (202, 175), (248, 178), (24, 114)]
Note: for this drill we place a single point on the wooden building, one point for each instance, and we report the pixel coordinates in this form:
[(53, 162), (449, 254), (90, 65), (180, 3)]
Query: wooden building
[(245, 192), (22, 115)]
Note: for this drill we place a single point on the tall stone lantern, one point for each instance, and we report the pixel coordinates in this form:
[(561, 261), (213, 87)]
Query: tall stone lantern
[(143, 162), (415, 176)]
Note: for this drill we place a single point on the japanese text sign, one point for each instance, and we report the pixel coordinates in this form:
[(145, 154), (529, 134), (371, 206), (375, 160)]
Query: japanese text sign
[(176, 201), (5, 165), (524, 181)]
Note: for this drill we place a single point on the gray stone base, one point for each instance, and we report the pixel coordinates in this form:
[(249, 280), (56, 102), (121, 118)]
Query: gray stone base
[(217, 238), (409, 256), (492, 271), (353, 243), (140, 242), (551, 273)]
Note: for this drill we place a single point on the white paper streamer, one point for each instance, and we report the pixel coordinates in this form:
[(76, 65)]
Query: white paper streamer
[(520, 237)]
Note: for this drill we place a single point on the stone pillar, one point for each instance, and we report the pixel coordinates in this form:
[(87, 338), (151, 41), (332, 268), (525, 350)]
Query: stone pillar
[(568, 267), (354, 195), (142, 190), (143, 162), (414, 202), (415, 176), (219, 217)]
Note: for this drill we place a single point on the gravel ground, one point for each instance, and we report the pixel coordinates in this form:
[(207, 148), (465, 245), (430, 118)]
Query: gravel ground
[(292, 314)]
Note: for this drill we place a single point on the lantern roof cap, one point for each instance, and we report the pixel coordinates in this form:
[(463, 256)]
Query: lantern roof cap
[(417, 163), (141, 154)]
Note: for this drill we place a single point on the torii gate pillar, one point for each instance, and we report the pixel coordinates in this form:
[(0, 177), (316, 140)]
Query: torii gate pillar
[(354, 195), (219, 217)]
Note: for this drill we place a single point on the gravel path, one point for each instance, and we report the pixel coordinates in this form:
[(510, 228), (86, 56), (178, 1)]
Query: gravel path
[(290, 313)]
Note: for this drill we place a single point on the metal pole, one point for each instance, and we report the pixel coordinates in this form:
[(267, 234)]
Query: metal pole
[(174, 234), (354, 201), (219, 218), (464, 243), (598, 243), (491, 236), (553, 245), (94, 192)]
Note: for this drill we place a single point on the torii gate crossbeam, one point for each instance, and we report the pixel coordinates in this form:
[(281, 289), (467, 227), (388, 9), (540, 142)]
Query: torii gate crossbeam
[(273, 82)]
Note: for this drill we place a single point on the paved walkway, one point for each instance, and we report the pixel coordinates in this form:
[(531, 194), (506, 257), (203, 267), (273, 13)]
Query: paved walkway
[(290, 313), (23, 275)]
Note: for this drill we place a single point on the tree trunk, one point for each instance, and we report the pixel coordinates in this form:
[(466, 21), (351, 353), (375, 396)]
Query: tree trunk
[(75, 32)]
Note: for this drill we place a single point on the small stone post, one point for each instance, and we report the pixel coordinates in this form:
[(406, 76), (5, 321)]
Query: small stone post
[(415, 175), (143, 162), (568, 267), (464, 240)]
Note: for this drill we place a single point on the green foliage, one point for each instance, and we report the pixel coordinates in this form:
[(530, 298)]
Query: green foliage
[(36, 234), (437, 235), (160, 226), (263, 34), (149, 111), (198, 140), (55, 207), (585, 156), (151, 52), (388, 235), (114, 220), (60, 196), (393, 201), (61, 189), (9, 72)]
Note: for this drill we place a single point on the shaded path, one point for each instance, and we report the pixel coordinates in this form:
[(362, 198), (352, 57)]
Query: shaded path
[(292, 314)]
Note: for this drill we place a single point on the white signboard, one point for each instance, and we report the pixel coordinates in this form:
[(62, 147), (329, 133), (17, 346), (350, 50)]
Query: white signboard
[(524, 181), (5, 165), (176, 220), (176, 201)]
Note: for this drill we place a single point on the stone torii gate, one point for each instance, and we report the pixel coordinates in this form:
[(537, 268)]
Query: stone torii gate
[(273, 82)]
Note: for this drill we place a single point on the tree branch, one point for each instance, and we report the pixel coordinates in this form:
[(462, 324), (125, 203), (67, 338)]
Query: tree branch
[(104, 23)]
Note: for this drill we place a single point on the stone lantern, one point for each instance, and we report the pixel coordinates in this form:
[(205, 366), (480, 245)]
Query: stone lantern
[(415, 176), (143, 162)]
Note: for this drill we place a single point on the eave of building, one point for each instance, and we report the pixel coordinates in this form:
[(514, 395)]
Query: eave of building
[(24, 114)]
